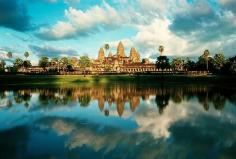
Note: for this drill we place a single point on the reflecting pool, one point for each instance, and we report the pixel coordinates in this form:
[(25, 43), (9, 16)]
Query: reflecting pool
[(118, 121)]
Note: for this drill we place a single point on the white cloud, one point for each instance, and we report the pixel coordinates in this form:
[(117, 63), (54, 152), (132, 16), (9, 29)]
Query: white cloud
[(149, 37), (60, 30), (158, 33), (82, 22)]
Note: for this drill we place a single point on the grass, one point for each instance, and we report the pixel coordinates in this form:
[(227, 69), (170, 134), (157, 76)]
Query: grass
[(143, 79)]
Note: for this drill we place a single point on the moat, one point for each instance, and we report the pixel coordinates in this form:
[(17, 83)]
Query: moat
[(114, 121)]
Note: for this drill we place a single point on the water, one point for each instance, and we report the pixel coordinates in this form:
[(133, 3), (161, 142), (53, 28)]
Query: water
[(118, 121)]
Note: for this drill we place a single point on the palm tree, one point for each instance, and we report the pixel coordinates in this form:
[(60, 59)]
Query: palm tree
[(26, 54), (206, 56), (9, 54), (161, 49), (2, 65), (107, 47), (26, 62)]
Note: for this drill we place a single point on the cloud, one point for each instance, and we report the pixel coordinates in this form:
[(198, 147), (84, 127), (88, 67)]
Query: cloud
[(228, 4), (149, 37), (158, 33), (82, 23), (61, 30), (198, 16), (50, 51), (14, 15)]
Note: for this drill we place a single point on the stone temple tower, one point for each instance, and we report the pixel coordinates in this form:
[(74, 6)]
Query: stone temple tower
[(101, 54), (121, 50), (134, 55)]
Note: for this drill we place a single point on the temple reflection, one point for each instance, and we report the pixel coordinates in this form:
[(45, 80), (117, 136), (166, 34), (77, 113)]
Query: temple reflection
[(119, 97)]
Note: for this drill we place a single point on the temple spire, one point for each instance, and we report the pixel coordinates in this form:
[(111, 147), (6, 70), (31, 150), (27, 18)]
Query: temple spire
[(101, 54), (120, 50)]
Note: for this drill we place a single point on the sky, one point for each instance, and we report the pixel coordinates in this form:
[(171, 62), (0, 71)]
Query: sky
[(73, 28)]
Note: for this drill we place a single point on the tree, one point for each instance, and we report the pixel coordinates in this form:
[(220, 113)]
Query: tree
[(27, 64), (74, 62), (206, 58), (177, 64), (26, 54), (107, 47), (69, 67), (54, 61), (232, 62), (204, 63), (2, 66), (44, 62), (219, 61), (64, 62), (189, 65), (9, 54), (18, 63), (161, 49), (162, 63), (84, 62)]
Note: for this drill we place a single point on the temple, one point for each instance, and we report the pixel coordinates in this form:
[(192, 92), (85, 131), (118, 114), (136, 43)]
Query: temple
[(120, 63)]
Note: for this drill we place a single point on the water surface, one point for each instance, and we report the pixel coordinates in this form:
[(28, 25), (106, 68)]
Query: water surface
[(118, 121)]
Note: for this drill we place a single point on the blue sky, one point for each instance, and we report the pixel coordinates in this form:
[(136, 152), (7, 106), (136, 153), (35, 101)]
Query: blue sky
[(57, 28)]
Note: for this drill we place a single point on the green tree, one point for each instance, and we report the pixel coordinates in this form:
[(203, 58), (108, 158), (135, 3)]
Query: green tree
[(26, 54), (54, 61), (84, 62), (189, 65), (219, 61), (177, 64), (64, 62), (206, 58), (2, 66), (162, 63), (232, 62), (18, 63), (204, 63), (107, 47), (44, 62), (9, 54), (27, 64), (161, 49)]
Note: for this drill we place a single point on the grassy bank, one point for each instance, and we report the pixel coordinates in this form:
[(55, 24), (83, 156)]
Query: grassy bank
[(144, 79)]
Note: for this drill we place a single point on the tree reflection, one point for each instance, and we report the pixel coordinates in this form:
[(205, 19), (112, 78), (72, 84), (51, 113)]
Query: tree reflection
[(162, 100), (22, 96), (84, 100)]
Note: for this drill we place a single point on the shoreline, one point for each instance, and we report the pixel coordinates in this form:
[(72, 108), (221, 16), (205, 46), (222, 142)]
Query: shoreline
[(141, 79)]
